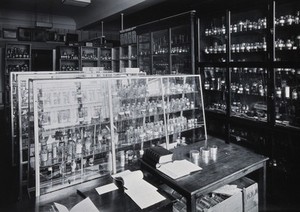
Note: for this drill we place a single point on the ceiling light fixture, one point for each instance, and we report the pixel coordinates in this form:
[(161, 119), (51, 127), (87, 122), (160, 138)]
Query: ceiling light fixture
[(80, 3)]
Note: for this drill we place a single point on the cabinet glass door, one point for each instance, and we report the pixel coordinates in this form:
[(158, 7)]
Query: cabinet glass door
[(287, 26), (287, 95), (249, 93), (213, 42), (160, 52), (181, 49), (215, 89), (144, 52), (248, 35)]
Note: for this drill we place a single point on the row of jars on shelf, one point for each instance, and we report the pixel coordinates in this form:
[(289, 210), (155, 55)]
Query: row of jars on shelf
[(69, 55), (286, 91), (142, 90), (69, 68), (139, 109), (180, 49), (126, 57), (106, 56), (289, 44), (154, 130), (217, 83), (71, 146), (241, 26), (256, 110), (212, 71), (287, 71), (21, 67), (255, 88), (17, 53), (237, 48), (287, 20), (89, 56), (220, 106)]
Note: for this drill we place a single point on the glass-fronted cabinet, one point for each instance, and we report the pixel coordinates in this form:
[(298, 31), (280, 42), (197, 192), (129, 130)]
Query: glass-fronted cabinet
[(167, 46), (144, 52), (249, 93), (90, 127)]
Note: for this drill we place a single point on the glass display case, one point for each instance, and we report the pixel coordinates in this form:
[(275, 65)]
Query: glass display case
[(90, 127), (249, 93), (20, 117)]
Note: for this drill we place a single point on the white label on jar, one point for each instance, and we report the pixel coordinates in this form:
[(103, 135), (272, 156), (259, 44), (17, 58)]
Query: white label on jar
[(287, 92)]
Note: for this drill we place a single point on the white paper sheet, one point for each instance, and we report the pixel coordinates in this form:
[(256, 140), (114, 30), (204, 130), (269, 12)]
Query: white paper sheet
[(140, 191), (144, 198), (106, 188), (178, 168), (228, 190), (84, 205)]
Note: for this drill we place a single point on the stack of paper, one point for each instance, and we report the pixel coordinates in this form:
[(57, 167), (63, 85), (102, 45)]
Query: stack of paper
[(178, 168), (140, 191)]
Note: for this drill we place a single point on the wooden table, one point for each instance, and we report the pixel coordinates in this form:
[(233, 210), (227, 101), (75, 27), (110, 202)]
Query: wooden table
[(231, 163), (114, 201)]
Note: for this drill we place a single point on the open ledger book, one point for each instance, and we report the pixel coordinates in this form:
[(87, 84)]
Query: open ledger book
[(178, 168), (84, 205), (140, 191)]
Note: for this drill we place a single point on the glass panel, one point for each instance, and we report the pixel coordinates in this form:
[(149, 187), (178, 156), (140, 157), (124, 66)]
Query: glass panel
[(73, 132), (184, 116), (138, 117), (287, 26), (249, 93), (213, 42), (215, 89), (144, 53), (160, 52), (287, 95), (181, 49), (248, 36)]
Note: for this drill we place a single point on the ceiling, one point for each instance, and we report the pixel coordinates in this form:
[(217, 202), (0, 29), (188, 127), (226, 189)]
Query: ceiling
[(91, 15), (89, 18)]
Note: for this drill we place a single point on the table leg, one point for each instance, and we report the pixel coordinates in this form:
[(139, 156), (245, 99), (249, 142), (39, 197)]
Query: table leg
[(191, 203), (262, 186)]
